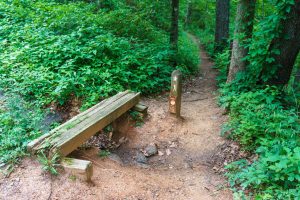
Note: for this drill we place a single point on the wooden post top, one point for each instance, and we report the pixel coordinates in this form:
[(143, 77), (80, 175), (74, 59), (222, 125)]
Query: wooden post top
[(176, 73)]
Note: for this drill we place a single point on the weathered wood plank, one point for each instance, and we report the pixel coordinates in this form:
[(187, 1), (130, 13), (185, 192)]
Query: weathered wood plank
[(37, 141), (78, 118), (72, 136), (82, 133), (82, 169), (105, 110), (70, 125), (140, 108)]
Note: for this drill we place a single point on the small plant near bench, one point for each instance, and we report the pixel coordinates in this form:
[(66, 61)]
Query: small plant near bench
[(104, 153), (50, 164), (64, 139), (136, 117)]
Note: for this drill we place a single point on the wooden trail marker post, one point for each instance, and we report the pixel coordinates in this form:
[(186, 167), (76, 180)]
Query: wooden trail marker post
[(175, 93)]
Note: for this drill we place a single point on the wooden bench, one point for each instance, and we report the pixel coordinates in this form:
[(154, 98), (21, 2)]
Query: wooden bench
[(67, 137)]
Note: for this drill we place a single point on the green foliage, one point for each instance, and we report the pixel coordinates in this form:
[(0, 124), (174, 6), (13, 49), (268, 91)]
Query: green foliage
[(259, 115), (57, 50), (130, 24), (202, 22), (293, 88), (104, 153), (222, 62), (275, 175), (136, 117), (49, 164), (260, 57), (97, 64), (20, 122), (53, 50), (72, 178), (263, 119), (207, 39), (260, 122), (188, 55)]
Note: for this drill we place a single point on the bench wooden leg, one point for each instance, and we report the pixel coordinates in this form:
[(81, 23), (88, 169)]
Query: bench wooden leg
[(83, 169), (120, 127), (141, 108)]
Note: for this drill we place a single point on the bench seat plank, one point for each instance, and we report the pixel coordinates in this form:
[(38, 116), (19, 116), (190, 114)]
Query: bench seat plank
[(70, 135)]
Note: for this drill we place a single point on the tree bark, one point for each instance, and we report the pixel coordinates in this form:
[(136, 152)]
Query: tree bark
[(288, 44), (188, 14), (297, 77), (243, 31), (174, 25), (222, 25)]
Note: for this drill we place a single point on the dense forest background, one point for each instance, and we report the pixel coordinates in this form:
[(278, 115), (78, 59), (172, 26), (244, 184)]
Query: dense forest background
[(55, 51)]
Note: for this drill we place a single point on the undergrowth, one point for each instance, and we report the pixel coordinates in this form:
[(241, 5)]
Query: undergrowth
[(264, 120), (51, 164), (262, 124), (53, 50), (20, 122)]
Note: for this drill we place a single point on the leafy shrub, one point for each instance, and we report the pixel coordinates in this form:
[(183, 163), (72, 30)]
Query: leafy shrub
[(222, 63), (188, 55), (263, 119), (53, 50), (58, 50), (275, 175), (126, 23), (260, 122), (50, 164), (20, 122), (104, 153), (207, 39), (136, 118)]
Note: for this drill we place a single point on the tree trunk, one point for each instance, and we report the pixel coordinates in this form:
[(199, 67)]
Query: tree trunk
[(297, 78), (222, 25), (174, 25), (288, 44), (242, 32), (188, 14), (174, 31)]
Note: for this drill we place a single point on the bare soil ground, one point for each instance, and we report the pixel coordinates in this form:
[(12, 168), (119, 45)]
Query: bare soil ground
[(183, 169)]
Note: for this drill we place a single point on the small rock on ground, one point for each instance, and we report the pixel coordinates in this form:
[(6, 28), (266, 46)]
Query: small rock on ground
[(150, 150), (141, 158)]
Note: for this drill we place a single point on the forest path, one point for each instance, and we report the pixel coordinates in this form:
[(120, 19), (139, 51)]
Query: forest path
[(182, 171)]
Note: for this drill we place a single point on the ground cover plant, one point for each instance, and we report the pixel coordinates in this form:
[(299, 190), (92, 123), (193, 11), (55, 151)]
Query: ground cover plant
[(20, 122), (51, 51), (264, 125)]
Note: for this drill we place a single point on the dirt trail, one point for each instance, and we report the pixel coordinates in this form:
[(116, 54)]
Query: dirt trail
[(182, 172)]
